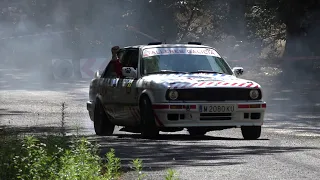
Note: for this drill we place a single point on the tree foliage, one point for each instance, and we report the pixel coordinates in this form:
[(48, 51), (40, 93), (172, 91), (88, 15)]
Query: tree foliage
[(99, 24)]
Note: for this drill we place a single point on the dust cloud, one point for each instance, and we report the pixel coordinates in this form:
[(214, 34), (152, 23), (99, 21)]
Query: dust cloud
[(27, 47), (32, 35)]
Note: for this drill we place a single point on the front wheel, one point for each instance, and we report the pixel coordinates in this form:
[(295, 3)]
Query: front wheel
[(251, 132), (148, 127), (102, 124)]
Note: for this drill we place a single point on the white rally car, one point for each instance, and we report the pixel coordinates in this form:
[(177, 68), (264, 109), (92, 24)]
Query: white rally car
[(169, 87)]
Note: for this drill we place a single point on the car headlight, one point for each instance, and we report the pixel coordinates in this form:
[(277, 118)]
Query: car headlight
[(254, 94), (173, 94)]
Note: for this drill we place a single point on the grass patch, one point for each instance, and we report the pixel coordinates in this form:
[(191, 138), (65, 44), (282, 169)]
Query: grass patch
[(60, 157)]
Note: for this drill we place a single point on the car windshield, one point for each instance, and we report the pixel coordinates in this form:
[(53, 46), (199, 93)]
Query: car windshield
[(164, 60)]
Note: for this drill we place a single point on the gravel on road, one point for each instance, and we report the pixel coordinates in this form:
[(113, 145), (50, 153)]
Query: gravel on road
[(288, 148)]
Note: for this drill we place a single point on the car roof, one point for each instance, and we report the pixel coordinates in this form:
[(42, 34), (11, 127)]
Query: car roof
[(170, 45)]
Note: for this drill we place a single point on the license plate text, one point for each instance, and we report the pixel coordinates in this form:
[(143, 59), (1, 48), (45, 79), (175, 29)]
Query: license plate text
[(216, 108)]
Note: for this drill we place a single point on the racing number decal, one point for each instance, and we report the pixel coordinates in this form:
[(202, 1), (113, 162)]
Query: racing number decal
[(129, 85)]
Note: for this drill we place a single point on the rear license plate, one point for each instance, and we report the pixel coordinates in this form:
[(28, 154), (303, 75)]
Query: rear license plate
[(216, 108)]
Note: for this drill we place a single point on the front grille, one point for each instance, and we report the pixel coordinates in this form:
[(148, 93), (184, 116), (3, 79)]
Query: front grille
[(215, 94), (215, 116)]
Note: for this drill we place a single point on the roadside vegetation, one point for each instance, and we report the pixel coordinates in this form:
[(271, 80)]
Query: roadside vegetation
[(61, 157)]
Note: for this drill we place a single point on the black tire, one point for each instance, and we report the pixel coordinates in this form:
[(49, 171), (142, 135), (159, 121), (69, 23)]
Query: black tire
[(148, 127), (251, 132), (102, 124), (197, 131)]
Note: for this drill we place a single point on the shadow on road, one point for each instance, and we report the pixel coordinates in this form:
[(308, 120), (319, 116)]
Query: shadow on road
[(6, 112), (181, 137), (175, 150), (181, 150), (40, 130)]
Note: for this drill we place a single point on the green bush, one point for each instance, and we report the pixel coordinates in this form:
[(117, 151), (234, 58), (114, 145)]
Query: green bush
[(41, 158), (10, 146)]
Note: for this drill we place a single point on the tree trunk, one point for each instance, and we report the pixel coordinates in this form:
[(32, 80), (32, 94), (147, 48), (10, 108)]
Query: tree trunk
[(300, 40), (236, 24), (301, 43)]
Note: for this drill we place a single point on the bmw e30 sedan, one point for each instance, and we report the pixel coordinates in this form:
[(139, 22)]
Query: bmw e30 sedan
[(169, 87)]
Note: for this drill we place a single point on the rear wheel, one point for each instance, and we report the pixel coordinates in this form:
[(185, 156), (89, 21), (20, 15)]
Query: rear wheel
[(148, 127), (197, 131), (102, 124), (251, 132)]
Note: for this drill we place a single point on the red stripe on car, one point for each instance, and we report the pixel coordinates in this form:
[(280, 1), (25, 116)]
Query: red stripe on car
[(160, 106), (193, 84), (244, 106)]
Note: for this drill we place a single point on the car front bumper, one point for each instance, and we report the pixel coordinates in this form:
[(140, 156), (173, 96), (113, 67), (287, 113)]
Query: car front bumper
[(90, 108), (195, 115)]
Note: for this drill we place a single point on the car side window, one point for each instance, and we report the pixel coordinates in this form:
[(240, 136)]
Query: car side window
[(130, 58), (110, 71)]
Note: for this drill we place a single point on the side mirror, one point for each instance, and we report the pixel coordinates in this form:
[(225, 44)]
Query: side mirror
[(129, 72), (237, 71), (97, 74)]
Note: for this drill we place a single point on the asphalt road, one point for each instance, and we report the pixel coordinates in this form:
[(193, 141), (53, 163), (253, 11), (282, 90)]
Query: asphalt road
[(289, 147)]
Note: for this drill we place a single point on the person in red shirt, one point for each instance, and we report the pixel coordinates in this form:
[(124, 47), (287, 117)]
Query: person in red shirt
[(116, 60)]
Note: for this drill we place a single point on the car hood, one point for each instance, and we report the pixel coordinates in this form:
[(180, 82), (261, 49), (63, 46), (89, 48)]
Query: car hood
[(199, 80)]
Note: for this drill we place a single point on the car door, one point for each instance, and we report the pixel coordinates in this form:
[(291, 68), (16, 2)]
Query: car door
[(127, 88), (107, 85)]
